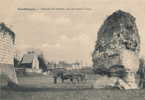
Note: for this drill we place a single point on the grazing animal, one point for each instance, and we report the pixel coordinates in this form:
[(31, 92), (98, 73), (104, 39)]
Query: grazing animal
[(69, 76), (66, 76), (56, 75)]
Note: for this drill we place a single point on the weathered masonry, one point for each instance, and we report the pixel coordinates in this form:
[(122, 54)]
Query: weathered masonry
[(118, 33), (7, 42), (118, 43)]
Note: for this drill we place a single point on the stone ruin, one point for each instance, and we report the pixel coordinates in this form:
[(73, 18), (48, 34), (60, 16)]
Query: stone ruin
[(7, 41), (118, 43)]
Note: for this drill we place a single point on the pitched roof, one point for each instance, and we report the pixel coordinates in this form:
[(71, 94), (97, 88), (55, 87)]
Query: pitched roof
[(27, 58)]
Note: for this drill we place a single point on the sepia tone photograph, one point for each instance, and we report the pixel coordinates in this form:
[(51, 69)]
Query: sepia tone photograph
[(72, 50)]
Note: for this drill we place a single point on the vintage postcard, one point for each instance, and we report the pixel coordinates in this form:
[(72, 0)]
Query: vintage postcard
[(72, 50)]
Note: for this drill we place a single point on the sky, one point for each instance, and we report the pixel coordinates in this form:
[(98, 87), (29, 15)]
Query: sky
[(65, 34)]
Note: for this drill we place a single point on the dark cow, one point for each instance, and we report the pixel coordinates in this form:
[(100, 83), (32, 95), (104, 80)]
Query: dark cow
[(68, 75), (57, 72)]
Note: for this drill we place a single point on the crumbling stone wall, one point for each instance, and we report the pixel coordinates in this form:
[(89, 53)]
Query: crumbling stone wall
[(118, 32), (7, 38), (118, 42)]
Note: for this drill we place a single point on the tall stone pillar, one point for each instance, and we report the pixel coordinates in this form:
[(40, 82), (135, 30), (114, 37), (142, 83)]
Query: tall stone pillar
[(118, 43), (7, 41)]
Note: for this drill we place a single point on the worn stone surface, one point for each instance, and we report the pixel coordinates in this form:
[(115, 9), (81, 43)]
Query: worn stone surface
[(118, 43), (7, 39), (130, 60), (105, 82), (119, 32), (7, 74)]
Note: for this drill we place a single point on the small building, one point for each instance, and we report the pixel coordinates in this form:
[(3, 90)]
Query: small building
[(30, 63)]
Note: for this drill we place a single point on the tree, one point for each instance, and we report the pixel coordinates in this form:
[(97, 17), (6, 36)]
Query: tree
[(16, 62), (42, 63)]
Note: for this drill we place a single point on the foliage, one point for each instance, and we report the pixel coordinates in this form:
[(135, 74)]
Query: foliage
[(16, 62), (42, 63)]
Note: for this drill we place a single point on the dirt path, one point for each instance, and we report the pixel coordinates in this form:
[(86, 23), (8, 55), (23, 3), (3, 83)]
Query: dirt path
[(42, 88)]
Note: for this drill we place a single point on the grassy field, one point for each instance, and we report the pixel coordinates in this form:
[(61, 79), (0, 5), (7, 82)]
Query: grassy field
[(39, 87)]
